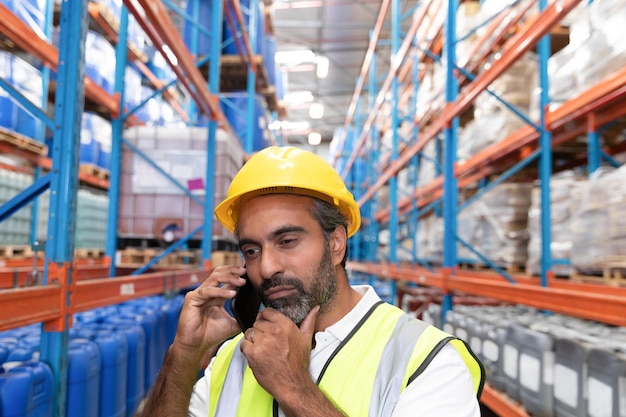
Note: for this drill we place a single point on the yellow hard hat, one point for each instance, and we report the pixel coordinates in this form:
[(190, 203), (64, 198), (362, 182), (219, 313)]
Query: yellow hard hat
[(288, 170)]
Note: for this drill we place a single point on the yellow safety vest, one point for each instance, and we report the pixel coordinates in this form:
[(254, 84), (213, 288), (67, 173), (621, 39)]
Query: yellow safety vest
[(384, 353)]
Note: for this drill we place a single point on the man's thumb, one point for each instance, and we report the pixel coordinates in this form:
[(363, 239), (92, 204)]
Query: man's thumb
[(308, 324)]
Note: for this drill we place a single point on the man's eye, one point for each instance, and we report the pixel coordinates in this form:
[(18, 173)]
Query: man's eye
[(250, 252), (286, 242)]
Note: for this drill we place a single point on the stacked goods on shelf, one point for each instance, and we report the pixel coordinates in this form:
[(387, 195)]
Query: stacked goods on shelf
[(235, 108), (27, 80), (468, 19), (492, 120), (150, 202), (31, 12), (495, 225), (429, 164), (114, 355), (91, 218), (554, 365), (595, 51), (490, 10), (95, 141), (598, 228), (341, 146), (565, 199), (15, 230), (132, 88)]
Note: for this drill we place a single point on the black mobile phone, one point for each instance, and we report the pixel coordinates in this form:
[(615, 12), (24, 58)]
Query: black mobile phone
[(245, 305)]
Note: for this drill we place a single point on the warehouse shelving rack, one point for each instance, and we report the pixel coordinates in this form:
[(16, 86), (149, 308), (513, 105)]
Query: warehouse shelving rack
[(69, 286), (586, 114)]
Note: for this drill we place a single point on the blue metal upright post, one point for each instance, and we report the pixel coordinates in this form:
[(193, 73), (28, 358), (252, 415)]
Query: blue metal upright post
[(253, 31), (355, 242), (594, 154), (450, 190), (373, 156), (194, 41), (69, 102), (393, 181), (415, 161), (214, 85), (545, 162), (117, 125)]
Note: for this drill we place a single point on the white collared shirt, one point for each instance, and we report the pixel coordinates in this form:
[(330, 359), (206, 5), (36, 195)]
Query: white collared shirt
[(445, 388)]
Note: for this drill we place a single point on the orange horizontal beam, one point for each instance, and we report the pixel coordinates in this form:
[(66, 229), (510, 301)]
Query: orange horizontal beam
[(600, 305), (90, 294), (500, 403), (23, 306)]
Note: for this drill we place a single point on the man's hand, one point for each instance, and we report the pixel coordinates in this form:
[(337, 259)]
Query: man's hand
[(203, 321), (279, 352)]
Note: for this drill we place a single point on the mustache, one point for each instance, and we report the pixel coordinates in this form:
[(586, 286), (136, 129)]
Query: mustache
[(281, 281)]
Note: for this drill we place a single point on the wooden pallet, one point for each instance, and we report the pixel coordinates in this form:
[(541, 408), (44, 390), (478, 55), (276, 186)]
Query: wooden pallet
[(16, 251), (509, 268), (142, 256), (23, 142), (612, 272), (220, 258), (88, 253), (94, 171)]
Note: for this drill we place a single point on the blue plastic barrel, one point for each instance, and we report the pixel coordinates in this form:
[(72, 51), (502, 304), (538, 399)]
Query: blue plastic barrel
[(235, 108), (8, 112), (83, 381), (89, 146), (23, 353), (172, 311), (101, 133), (31, 12), (149, 325), (114, 353), (136, 338), (229, 45), (27, 79), (191, 33), (27, 391), (100, 61)]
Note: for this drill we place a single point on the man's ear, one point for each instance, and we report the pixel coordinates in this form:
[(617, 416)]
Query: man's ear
[(338, 242)]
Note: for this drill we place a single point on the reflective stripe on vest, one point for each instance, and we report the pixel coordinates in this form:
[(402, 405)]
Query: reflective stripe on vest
[(378, 365)]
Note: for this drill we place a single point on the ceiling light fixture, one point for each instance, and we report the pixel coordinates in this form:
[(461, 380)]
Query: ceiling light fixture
[(294, 97), (286, 125), (323, 64), (294, 57), (314, 138), (316, 110)]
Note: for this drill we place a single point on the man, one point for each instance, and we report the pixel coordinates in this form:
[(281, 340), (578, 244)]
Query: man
[(319, 347)]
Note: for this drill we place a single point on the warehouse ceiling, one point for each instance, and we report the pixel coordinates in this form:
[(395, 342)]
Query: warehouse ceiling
[(338, 30)]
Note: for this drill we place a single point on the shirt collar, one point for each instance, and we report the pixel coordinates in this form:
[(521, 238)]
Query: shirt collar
[(343, 327)]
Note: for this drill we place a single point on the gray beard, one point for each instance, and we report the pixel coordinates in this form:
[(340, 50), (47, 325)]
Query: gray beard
[(322, 291)]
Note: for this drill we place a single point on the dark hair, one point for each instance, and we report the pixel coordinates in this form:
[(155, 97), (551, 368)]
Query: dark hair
[(329, 217)]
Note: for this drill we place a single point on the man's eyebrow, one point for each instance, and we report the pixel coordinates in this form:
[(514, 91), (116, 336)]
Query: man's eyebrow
[(273, 235), (287, 229)]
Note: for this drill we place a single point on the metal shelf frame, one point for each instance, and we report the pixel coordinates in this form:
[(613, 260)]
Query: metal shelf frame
[(67, 286), (588, 113)]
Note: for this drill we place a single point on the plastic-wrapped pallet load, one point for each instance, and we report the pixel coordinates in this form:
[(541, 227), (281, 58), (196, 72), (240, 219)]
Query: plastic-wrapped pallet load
[(149, 202), (596, 50), (565, 198), (598, 227), (492, 120), (468, 18), (500, 224)]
